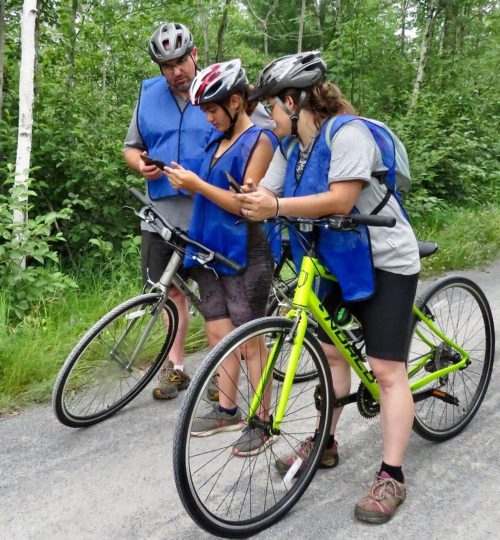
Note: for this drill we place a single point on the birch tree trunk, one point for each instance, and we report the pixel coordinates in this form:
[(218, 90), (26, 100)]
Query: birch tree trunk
[(26, 98), (429, 23), (2, 50), (204, 23), (264, 22), (220, 33), (301, 25), (72, 44)]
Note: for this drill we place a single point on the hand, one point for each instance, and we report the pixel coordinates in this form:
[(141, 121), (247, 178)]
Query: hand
[(248, 186), (257, 205), (150, 172), (181, 178)]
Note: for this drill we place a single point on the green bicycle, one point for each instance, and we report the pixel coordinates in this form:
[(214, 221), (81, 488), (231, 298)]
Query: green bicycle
[(450, 362)]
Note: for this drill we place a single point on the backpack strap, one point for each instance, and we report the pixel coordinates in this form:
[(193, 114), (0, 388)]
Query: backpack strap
[(287, 145), (331, 128)]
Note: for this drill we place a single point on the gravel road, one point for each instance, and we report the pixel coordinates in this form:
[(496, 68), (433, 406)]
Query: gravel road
[(115, 481)]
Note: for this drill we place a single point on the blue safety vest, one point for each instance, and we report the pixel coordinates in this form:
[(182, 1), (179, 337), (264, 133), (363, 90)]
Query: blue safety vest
[(210, 224), (170, 134), (347, 254)]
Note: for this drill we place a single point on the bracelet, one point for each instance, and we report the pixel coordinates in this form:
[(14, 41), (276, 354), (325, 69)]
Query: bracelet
[(277, 207)]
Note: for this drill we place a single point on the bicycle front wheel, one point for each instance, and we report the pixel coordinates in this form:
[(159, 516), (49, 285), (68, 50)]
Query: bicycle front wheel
[(459, 309), (234, 495), (114, 360)]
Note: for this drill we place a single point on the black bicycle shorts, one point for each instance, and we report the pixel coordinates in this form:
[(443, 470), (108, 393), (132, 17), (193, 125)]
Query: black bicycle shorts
[(155, 254), (385, 317)]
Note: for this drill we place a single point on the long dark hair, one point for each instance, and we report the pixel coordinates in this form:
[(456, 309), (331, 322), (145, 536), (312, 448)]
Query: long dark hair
[(323, 100)]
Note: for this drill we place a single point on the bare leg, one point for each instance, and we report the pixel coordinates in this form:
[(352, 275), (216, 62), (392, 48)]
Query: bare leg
[(176, 354), (341, 376), (229, 371), (396, 408), (255, 353)]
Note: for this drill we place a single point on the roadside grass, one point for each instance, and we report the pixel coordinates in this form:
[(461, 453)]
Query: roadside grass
[(467, 238), (32, 352)]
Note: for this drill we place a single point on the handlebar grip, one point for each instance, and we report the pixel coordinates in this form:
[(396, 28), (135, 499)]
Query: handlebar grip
[(228, 262), (373, 220), (138, 195)]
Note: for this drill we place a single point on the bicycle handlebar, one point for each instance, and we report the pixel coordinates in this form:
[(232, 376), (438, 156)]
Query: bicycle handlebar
[(181, 235), (344, 222)]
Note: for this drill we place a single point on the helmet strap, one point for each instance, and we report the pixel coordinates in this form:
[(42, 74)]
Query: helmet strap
[(294, 116), (232, 121)]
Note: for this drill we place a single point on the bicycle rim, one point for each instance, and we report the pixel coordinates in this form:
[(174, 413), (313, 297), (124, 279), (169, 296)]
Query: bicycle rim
[(458, 308), (235, 496), (108, 367)]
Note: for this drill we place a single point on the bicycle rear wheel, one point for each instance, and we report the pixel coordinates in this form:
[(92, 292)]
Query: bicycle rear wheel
[(458, 307), (234, 496), (114, 360)]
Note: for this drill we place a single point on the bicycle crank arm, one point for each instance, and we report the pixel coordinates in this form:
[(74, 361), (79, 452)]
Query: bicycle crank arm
[(439, 394)]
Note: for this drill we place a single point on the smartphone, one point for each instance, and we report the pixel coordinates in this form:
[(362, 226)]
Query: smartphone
[(233, 183), (151, 161)]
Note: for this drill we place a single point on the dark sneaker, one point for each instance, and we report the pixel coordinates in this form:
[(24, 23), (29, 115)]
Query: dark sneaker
[(329, 459), (386, 494), (253, 441), (171, 381), (213, 388), (216, 421)]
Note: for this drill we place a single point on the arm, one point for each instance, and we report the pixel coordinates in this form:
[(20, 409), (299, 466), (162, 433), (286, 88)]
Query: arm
[(134, 147), (340, 199), (259, 160), (354, 157)]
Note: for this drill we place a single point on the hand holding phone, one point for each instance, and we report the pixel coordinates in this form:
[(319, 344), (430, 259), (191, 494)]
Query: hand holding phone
[(151, 161), (233, 183)]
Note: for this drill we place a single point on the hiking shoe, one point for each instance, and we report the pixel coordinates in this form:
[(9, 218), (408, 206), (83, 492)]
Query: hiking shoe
[(386, 494), (213, 388), (329, 459), (253, 441), (216, 421), (171, 381)]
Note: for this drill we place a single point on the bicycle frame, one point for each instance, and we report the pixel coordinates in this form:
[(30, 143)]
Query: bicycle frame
[(305, 301)]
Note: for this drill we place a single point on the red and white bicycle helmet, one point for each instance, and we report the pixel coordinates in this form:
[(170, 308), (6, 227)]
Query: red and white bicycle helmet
[(170, 41), (217, 82)]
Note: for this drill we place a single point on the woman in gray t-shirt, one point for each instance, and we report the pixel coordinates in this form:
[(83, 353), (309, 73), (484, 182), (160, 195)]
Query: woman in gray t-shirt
[(316, 180)]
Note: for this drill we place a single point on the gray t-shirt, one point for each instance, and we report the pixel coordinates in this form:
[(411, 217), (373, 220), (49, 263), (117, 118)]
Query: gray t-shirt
[(178, 208), (356, 156)]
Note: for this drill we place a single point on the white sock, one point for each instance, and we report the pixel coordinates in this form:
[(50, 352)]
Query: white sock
[(177, 366)]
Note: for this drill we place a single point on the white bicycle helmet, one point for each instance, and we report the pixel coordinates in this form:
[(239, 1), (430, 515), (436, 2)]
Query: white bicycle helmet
[(170, 41), (300, 70), (217, 82)]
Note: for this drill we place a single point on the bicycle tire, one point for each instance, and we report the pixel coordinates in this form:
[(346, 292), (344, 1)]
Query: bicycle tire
[(459, 308), (277, 307), (93, 383), (246, 494)]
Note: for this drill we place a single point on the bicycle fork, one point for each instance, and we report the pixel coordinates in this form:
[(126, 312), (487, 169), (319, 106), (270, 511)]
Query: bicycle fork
[(295, 336)]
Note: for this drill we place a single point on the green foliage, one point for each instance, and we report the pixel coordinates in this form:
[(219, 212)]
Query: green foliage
[(467, 237), (31, 242)]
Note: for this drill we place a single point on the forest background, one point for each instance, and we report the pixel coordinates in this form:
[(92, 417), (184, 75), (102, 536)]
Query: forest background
[(428, 68)]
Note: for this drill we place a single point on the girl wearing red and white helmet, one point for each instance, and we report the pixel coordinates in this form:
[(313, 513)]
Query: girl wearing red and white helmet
[(228, 300)]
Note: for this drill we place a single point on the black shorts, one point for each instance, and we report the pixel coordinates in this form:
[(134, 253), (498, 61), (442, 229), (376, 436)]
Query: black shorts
[(155, 254), (239, 298), (385, 317)]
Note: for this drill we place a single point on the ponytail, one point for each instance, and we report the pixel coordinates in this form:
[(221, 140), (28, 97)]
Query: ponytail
[(323, 100)]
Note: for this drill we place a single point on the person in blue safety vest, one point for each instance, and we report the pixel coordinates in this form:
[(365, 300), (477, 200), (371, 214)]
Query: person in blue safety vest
[(377, 267), (229, 299), (166, 126)]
